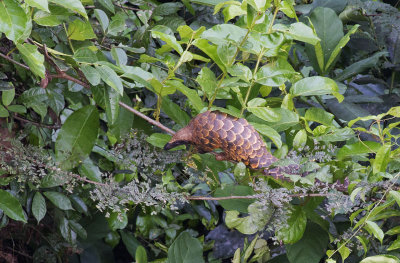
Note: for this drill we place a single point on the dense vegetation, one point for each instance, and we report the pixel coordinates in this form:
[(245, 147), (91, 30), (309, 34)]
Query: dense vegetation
[(83, 179)]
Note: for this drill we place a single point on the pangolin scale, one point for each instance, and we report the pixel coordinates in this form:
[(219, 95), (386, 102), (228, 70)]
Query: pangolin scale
[(237, 139)]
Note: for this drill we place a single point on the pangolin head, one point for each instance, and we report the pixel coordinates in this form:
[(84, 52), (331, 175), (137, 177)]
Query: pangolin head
[(183, 136)]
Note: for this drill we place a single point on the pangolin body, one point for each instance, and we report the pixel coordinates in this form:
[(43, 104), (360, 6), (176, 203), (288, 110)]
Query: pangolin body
[(237, 139)]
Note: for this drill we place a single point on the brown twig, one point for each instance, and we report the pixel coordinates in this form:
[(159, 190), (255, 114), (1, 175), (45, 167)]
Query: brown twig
[(87, 180), (48, 126), (14, 61), (148, 119), (127, 7)]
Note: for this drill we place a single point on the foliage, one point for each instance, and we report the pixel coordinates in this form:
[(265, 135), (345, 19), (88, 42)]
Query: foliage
[(84, 180)]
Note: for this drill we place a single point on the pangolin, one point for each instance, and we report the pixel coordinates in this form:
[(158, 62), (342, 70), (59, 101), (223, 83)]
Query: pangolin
[(237, 139)]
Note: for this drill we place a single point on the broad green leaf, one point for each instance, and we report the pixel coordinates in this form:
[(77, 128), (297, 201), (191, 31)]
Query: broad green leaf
[(382, 159), (90, 170), (111, 78), (287, 7), (112, 99), (360, 66), (86, 55), (314, 86), (7, 96), (225, 33), (381, 259), (225, 3), (73, 5), (77, 136), (329, 29), (265, 113), (184, 249), (227, 53), (124, 122), (11, 206), (269, 132), (59, 200), (359, 148), (139, 75), (33, 58), (191, 94), (91, 74), (3, 112), (102, 18), (119, 55), (319, 115), (287, 119), (39, 206), (141, 255), (343, 251), (161, 89), (13, 20), (17, 108), (396, 196), (300, 139), (130, 242), (296, 225), (299, 31), (117, 220), (244, 224), (78, 228), (235, 190), (175, 112), (232, 11), (395, 245), (311, 247), (40, 4), (80, 30), (275, 73), (210, 50), (46, 19), (374, 229), (241, 71), (339, 47), (159, 140), (158, 32), (207, 81)]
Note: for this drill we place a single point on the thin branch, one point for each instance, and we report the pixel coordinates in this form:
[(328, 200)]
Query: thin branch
[(64, 75), (14, 61), (87, 180), (52, 127), (148, 119), (126, 7)]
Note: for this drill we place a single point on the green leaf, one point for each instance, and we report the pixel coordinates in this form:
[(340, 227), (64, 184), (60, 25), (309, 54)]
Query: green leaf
[(381, 259), (227, 53), (319, 115), (311, 247), (264, 113), (343, 41), (191, 94), (329, 29), (13, 20), (184, 249), (7, 96), (269, 132), (111, 78), (382, 159), (225, 33), (141, 255), (77, 136), (235, 190), (80, 30), (112, 99), (33, 58), (74, 5), (275, 74), (130, 242), (91, 74), (102, 18), (11, 206), (374, 229), (78, 228), (300, 139), (395, 245), (40, 4), (117, 220), (39, 206), (396, 196), (17, 108), (299, 31), (90, 170), (360, 66), (47, 19), (86, 55), (79, 205), (314, 86), (358, 148), (175, 112), (59, 200), (241, 71), (210, 50), (119, 55), (296, 225), (159, 32), (287, 119), (3, 112), (207, 81), (159, 140)]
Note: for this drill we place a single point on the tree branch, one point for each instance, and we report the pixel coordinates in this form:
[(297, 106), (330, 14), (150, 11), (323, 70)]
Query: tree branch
[(14, 61)]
